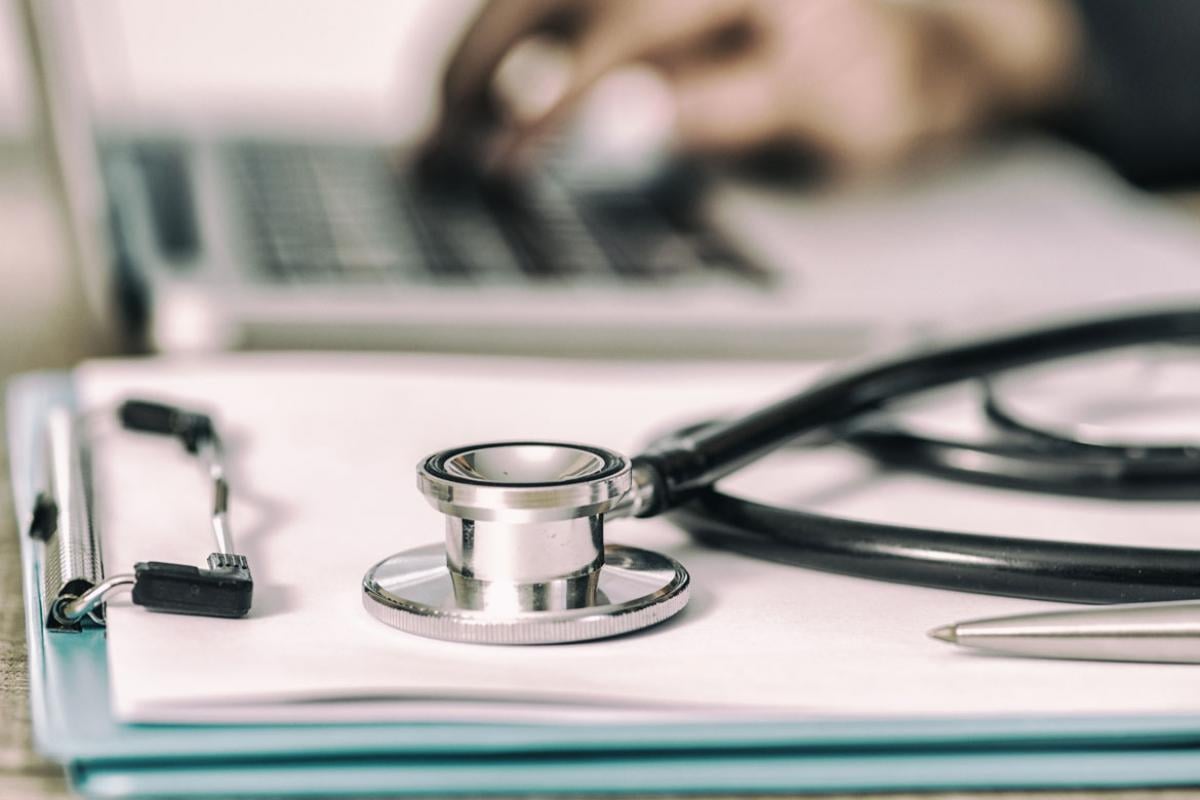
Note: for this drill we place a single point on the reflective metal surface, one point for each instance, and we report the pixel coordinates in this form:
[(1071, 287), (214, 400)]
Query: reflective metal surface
[(1156, 632), (526, 552), (73, 564), (416, 592), (524, 481), (524, 463), (524, 560), (70, 611)]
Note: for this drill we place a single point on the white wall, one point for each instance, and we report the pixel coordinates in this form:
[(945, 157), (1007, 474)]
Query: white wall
[(375, 61)]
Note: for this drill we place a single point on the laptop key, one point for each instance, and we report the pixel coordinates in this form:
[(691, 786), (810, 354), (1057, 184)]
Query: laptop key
[(341, 213), (451, 205), (541, 220), (327, 214)]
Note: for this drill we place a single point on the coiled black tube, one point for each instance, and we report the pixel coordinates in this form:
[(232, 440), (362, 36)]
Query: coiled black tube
[(683, 468), (686, 464)]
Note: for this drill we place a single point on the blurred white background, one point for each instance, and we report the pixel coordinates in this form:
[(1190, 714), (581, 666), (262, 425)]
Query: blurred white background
[(370, 68), (374, 64), (14, 91)]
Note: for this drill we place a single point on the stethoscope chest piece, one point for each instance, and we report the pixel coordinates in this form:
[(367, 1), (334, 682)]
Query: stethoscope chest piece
[(524, 560)]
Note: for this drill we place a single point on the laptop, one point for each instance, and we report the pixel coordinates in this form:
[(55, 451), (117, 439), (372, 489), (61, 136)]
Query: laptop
[(201, 238)]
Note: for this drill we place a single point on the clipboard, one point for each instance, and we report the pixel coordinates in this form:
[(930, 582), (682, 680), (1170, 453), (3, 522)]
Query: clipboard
[(74, 724)]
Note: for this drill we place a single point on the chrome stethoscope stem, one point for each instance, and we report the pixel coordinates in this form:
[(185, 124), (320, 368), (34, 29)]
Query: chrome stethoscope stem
[(525, 560)]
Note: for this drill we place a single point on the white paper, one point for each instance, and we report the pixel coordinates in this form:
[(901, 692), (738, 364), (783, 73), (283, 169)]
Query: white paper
[(323, 450)]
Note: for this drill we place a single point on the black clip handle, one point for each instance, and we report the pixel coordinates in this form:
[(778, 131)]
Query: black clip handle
[(225, 589), (189, 427)]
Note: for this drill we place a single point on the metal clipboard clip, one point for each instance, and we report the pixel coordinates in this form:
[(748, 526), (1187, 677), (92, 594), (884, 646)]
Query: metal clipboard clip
[(73, 587)]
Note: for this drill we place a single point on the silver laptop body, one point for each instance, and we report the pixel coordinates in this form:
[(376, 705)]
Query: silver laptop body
[(203, 238)]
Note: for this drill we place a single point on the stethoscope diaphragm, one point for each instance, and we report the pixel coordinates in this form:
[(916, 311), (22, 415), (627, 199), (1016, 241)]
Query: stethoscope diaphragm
[(524, 560)]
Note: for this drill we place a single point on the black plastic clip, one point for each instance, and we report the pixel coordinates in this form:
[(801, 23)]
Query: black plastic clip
[(225, 589)]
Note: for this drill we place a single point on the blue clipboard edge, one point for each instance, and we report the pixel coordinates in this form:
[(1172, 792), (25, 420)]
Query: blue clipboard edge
[(740, 773), (73, 724)]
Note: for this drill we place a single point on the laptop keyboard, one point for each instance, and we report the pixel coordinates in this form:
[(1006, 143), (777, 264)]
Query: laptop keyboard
[(336, 213)]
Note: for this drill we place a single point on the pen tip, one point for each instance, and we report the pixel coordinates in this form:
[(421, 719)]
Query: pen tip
[(946, 633)]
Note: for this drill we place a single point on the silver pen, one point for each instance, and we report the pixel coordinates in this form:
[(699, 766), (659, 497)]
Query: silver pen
[(1153, 632)]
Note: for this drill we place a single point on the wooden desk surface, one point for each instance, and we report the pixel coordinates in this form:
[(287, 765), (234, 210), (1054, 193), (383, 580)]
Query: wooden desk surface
[(43, 325)]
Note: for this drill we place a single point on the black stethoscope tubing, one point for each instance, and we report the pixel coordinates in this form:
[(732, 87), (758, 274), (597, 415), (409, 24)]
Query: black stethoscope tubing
[(1020, 464), (684, 468), (1032, 458)]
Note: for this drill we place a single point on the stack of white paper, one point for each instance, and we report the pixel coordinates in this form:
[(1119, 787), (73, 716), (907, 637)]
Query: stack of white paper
[(323, 450)]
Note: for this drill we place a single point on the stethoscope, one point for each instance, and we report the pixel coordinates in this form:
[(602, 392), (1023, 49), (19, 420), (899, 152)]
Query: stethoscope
[(524, 559)]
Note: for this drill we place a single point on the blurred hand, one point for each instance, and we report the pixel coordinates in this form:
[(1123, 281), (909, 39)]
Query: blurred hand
[(864, 83)]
